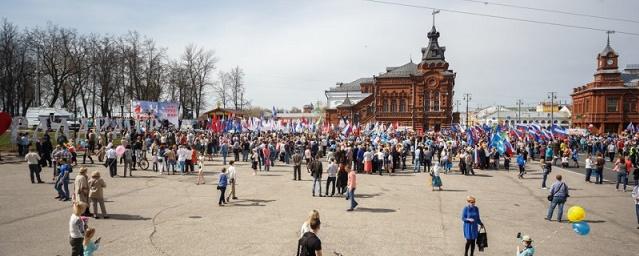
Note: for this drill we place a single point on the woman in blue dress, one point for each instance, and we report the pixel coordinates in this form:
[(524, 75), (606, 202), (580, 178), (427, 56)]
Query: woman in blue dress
[(472, 221)]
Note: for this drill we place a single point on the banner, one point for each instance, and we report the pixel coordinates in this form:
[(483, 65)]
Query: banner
[(150, 110)]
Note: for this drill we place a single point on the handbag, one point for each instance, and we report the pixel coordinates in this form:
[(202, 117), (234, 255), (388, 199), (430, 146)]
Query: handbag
[(482, 239), (550, 197)]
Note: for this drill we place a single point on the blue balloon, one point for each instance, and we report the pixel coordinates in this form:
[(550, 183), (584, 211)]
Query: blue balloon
[(581, 228)]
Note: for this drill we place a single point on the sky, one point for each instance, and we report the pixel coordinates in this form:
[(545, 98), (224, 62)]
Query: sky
[(293, 50)]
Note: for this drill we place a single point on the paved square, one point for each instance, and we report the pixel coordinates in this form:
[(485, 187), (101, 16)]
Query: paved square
[(169, 215)]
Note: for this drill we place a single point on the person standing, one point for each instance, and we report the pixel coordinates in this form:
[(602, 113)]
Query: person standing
[(310, 244), (436, 179), (528, 249), (232, 177), (332, 177), (342, 179), (547, 168), (111, 161), (76, 229), (182, 154), (416, 160), (81, 190), (588, 168), (221, 186), (96, 194), (224, 150), (297, 166), (622, 167), (559, 194), (635, 197), (599, 164), (316, 170), (33, 159), (128, 160), (472, 221), (368, 162), (352, 185)]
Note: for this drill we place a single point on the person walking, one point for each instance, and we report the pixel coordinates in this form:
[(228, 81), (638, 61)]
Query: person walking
[(81, 189), (332, 177), (436, 179), (316, 171), (62, 181), (471, 223), (297, 166), (33, 159), (622, 167), (76, 229), (96, 194), (221, 186), (522, 165), (342, 179), (232, 177), (111, 161), (559, 194), (352, 185)]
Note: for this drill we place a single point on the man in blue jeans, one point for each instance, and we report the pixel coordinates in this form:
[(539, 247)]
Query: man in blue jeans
[(559, 193), (316, 170)]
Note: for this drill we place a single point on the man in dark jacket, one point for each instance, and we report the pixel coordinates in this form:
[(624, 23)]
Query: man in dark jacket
[(316, 170)]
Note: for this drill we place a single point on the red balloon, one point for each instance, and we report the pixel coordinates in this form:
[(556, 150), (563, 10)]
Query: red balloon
[(5, 122)]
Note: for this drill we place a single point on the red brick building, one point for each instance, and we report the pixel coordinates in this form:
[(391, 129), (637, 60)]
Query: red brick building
[(414, 95), (609, 103)]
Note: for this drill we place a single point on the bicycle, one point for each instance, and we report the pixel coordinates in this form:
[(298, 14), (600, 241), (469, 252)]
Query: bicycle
[(142, 162)]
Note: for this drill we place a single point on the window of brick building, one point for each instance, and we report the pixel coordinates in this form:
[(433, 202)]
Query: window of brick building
[(393, 106), (385, 107), (436, 101), (629, 106), (611, 104), (426, 101), (402, 105)]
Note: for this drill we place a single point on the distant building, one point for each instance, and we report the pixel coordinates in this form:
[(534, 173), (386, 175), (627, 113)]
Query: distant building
[(609, 103), (416, 95), (493, 115)]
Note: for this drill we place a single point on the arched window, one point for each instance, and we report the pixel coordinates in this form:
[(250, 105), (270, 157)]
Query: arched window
[(385, 105), (402, 105), (436, 101), (393, 106), (426, 101)]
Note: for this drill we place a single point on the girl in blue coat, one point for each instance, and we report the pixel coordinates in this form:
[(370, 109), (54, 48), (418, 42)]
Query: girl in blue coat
[(472, 221)]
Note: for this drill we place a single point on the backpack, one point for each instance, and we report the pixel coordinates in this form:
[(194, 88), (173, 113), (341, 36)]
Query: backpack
[(302, 248)]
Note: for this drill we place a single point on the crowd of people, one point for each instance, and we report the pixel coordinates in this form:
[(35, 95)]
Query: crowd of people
[(171, 151)]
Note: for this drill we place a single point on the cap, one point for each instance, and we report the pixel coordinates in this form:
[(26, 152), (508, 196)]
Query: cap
[(526, 238)]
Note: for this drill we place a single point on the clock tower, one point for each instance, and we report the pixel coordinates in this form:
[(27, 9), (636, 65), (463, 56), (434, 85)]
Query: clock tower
[(607, 65)]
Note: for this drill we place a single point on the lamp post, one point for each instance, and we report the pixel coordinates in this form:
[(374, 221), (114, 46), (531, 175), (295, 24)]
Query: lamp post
[(467, 98), (552, 96), (519, 103)]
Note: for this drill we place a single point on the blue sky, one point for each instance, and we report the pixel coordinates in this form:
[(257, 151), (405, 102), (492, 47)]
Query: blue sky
[(292, 51)]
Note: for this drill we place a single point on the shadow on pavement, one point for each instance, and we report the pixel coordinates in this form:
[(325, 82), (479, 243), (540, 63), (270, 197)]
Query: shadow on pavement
[(482, 175), (367, 195), (595, 221), (127, 217), (453, 190), (374, 210), (249, 202)]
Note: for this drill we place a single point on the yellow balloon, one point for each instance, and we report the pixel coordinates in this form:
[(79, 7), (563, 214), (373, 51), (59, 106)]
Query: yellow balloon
[(576, 213)]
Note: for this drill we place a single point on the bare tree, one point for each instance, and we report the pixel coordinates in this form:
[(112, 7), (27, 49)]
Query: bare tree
[(222, 88), (198, 64), (236, 77)]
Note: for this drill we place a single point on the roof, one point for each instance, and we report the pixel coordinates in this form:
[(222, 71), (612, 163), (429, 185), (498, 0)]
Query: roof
[(352, 86), (630, 79), (607, 50), (346, 103), (405, 70)]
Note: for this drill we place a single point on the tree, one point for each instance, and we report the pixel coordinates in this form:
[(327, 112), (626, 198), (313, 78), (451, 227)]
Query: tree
[(222, 88), (198, 64)]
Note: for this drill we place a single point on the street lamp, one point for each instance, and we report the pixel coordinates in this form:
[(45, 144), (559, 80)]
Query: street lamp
[(467, 98), (552, 96)]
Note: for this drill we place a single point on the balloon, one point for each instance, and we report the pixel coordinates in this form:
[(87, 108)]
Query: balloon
[(576, 213), (5, 122), (581, 228), (120, 150)]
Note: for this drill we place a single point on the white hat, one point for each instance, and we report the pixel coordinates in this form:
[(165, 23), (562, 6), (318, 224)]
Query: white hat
[(526, 238)]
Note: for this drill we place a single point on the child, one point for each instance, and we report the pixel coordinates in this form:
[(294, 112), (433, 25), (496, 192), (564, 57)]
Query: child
[(254, 161), (221, 186), (521, 163), (507, 162), (200, 171), (436, 180), (77, 229), (564, 162), (89, 246)]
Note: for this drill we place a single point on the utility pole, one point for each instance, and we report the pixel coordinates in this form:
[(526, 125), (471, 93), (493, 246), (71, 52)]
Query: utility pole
[(552, 96), (519, 103), (457, 103), (467, 98)]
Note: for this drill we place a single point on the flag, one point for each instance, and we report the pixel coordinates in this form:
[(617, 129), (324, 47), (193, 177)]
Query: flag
[(347, 130), (631, 128)]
